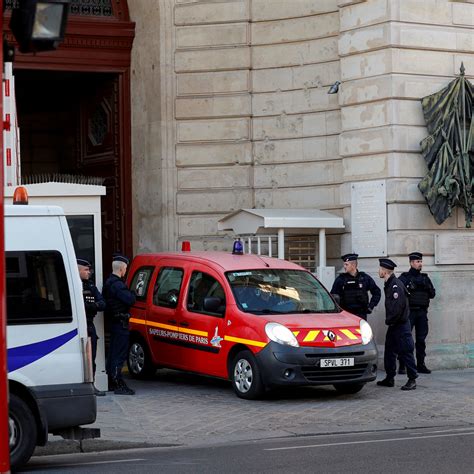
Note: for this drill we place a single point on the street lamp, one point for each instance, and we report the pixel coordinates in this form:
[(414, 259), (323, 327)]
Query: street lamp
[(39, 25)]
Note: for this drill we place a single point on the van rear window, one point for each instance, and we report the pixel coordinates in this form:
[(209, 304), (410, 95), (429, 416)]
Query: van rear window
[(37, 288)]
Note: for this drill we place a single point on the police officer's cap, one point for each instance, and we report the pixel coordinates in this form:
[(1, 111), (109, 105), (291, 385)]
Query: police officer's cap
[(84, 262), (387, 263), (349, 257), (120, 258), (415, 256)]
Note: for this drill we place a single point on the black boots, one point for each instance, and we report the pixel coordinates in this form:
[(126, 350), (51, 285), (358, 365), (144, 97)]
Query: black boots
[(410, 385), (386, 382), (123, 389), (422, 369), (119, 387)]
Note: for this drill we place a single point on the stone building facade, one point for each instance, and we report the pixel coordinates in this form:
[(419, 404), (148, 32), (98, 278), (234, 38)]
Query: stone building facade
[(230, 110)]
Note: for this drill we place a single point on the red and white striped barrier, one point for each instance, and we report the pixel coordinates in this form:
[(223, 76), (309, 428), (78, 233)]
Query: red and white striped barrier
[(11, 135)]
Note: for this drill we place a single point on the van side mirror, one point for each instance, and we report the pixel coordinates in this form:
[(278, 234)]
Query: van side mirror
[(213, 304), (336, 298)]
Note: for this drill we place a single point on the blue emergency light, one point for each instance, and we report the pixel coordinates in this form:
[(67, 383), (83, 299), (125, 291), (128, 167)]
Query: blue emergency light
[(238, 248)]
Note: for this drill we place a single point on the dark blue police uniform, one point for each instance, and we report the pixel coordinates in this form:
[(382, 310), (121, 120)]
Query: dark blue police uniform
[(93, 303), (353, 291), (421, 290), (118, 299), (398, 340)]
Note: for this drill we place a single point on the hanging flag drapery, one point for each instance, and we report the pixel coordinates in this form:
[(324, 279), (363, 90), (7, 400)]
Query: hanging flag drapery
[(449, 150)]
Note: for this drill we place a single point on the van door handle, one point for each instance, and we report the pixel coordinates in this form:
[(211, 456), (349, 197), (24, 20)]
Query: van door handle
[(172, 321), (184, 324)]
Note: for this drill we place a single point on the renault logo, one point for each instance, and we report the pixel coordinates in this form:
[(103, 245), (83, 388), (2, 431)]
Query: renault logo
[(331, 336)]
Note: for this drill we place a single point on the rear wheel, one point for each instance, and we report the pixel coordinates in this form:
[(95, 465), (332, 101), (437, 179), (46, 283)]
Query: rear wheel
[(349, 388), (22, 432), (139, 361), (245, 376)]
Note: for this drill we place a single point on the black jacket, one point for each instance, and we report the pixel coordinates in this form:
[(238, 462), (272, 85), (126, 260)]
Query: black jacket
[(118, 297), (93, 300), (420, 289), (353, 292), (397, 310)]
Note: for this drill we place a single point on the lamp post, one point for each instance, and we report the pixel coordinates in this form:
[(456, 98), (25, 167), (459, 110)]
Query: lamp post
[(38, 25)]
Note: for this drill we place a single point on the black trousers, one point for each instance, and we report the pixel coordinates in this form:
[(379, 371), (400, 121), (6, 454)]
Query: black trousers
[(399, 341), (419, 321), (92, 333), (118, 350)]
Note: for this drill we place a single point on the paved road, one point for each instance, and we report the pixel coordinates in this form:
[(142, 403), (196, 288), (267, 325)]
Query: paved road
[(184, 408), (409, 451)]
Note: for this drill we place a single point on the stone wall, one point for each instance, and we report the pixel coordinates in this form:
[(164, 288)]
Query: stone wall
[(392, 53), (230, 110)]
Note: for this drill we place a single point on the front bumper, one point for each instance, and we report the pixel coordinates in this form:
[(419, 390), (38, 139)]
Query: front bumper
[(285, 365)]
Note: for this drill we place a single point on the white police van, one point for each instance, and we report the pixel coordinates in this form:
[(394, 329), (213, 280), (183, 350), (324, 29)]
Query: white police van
[(48, 352)]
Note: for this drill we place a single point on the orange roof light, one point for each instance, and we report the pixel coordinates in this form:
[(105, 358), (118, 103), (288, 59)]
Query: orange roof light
[(20, 196)]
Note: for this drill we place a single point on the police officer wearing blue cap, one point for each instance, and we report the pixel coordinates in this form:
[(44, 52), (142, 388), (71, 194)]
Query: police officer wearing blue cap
[(353, 287), (118, 299), (421, 291), (93, 303), (398, 340)]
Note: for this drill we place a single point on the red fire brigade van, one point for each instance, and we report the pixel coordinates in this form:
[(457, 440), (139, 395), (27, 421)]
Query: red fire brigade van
[(260, 322)]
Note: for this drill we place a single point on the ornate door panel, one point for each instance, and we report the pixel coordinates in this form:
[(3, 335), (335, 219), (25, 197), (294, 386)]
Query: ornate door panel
[(99, 155)]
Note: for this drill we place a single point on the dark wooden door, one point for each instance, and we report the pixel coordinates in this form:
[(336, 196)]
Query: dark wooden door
[(99, 154)]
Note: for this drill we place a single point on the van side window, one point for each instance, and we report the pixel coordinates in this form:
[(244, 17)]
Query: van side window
[(168, 287), (140, 282), (205, 287), (37, 288)]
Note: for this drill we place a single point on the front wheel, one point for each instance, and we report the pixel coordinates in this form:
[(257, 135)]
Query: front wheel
[(349, 388), (140, 365), (245, 376), (22, 432)]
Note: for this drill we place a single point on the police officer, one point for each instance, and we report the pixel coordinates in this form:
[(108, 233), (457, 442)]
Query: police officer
[(93, 303), (118, 299), (353, 286), (398, 339), (420, 290)]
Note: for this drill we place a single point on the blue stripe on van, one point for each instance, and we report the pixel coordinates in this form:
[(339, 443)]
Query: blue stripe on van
[(20, 356)]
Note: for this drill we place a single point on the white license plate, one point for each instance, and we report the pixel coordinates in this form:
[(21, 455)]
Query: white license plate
[(342, 362)]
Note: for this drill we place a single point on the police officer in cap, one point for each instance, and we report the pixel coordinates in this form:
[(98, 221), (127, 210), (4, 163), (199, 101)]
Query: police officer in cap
[(118, 299), (93, 303), (353, 286), (398, 339), (421, 291)]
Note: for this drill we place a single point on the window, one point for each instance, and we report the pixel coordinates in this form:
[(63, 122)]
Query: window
[(37, 288), (201, 287), (82, 234), (273, 291), (140, 282), (168, 287)]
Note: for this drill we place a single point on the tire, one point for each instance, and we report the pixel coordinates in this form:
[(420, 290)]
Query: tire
[(140, 365), (245, 376), (349, 388), (22, 432)]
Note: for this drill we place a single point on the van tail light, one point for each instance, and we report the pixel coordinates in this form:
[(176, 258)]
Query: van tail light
[(87, 359)]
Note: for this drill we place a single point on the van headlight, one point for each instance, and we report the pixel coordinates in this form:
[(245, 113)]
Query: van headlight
[(278, 333), (365, 332)]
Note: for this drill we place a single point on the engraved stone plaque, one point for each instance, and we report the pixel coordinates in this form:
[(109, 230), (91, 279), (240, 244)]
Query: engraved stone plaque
[(454, 248), (369, 218)]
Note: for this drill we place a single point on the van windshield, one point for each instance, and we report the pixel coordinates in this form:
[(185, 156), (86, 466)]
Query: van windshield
[(270, 291)]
